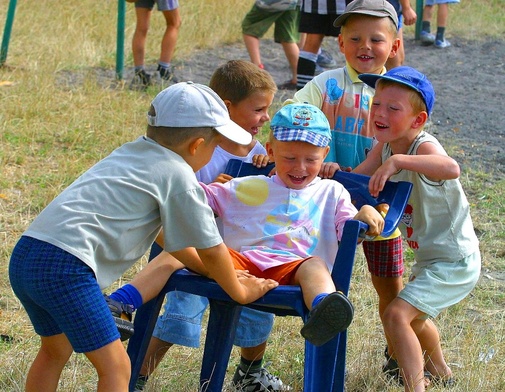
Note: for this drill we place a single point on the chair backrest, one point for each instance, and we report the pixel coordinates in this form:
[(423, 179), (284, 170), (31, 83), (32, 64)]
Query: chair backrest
[(395, 194)]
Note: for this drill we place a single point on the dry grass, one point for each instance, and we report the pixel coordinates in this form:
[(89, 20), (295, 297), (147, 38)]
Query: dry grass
[(51, 133)]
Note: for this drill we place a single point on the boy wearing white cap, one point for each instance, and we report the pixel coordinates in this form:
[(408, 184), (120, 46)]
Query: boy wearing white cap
[(287, 227), (107, 219)]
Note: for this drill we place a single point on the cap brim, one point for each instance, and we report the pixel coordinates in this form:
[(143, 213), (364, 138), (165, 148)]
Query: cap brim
[(235, 133), (370, 79)]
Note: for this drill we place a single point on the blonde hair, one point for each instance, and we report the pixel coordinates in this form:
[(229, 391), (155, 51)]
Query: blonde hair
[(415, 98), (238, 79)]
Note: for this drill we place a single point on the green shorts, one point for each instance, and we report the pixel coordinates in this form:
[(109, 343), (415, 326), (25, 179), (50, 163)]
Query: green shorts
[(440, 284), (257, 22)]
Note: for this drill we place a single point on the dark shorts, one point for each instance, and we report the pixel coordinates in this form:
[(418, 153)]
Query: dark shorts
[(163, 5), (384, 258), (318, 24), (61, 295), (257, 22)]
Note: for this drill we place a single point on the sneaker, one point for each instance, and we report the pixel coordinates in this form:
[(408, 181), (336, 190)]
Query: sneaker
[(167, 75), (427, 38), (141, 81), (288, 85), (328, 318), (325, 59), (122, 314), (441, 44), (391, 368), (260, 380)]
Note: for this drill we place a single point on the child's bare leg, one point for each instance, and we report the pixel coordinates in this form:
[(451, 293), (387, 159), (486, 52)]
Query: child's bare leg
[(46, 369), (428, 336), (113, 367), (314, 278), (292, 52), (252, 45), (397, 324), (387, 290)]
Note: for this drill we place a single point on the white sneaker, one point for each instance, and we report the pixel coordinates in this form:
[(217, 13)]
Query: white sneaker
[(260, 380)]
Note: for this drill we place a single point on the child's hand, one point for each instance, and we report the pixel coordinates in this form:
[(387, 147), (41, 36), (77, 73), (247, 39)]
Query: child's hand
[(328, 169), (223, 178), (256, 287), (381, 175), (372, 218), (260, 160)]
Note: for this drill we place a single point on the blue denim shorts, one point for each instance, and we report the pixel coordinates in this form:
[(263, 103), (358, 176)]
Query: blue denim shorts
[(61, 295), (181, 322), (163, 5)]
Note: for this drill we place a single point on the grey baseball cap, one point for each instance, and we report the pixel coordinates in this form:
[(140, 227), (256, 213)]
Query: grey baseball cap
[(193, 105), (378, 8)]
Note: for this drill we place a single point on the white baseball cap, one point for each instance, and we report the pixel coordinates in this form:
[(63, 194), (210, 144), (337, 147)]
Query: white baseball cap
[(193, 105)]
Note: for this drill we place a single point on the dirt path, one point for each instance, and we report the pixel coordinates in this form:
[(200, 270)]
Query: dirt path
[(469, 79)]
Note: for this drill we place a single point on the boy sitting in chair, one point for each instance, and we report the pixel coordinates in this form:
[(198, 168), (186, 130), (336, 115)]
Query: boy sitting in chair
[(287, 227)]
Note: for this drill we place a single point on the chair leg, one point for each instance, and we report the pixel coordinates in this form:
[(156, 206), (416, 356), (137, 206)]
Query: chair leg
[(320, 366), (339, 382), (144, 323), (223, 319)]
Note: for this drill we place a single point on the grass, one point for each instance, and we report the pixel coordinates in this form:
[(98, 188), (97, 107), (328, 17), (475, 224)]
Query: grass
[(51, 132)]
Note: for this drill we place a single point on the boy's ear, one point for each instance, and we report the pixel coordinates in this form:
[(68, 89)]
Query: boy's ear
[(227, 102), (194, 144), (341, 43), (270, 151), (326, 151), (395, 47), (420, 120)]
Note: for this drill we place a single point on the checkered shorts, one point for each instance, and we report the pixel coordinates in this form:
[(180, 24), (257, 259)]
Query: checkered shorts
[(384, 258), (61, 295)]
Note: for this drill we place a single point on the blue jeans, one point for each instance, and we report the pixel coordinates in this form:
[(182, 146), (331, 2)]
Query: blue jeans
[(181, 322)]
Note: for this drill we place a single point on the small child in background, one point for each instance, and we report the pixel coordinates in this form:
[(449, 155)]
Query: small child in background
[(165, 71), (287, 227), (427, 38), (247, 92), (285, 14), (436, 224), (107, 219)]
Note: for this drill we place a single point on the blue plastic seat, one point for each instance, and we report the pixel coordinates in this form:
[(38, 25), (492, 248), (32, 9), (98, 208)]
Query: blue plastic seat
[(324, 366)]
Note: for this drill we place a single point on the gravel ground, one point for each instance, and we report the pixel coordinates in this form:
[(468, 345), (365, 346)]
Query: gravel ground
[(468, 78)]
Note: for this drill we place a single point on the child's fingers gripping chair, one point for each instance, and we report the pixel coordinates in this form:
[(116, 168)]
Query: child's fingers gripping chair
[(324, 367)]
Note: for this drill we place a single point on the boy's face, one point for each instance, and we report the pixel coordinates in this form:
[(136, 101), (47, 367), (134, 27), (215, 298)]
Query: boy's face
[(393, 116), (367, 42), (296, 163), (251, 113)]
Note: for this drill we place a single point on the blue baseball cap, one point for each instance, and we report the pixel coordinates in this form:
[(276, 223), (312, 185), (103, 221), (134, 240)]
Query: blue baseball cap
[(407, 76), (301, 122)]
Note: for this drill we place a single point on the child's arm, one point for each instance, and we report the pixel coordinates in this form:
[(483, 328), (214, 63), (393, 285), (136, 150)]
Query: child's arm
[(218, 263), (373, 218), (430, 160), (372, 162)]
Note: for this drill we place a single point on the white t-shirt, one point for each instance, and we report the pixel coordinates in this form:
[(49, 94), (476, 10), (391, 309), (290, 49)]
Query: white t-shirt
[(219, 160), (110, 215)]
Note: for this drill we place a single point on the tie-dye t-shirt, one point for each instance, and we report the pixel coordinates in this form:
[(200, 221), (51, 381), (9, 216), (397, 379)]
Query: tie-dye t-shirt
[(272, 224)]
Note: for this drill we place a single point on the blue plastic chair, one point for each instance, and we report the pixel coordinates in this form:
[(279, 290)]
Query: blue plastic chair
[(324, 367)]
